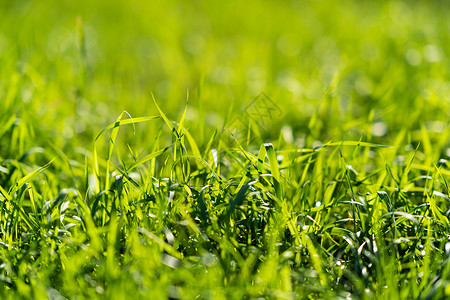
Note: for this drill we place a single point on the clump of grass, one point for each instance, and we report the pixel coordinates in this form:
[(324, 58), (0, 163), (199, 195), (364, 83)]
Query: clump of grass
[(277, 223)]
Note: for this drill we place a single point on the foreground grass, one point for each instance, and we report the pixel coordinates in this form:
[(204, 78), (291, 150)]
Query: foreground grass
[(335, 220), (342, 191)]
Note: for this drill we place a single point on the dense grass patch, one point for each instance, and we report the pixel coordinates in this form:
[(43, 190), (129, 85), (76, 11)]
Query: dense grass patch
[(181, 149)]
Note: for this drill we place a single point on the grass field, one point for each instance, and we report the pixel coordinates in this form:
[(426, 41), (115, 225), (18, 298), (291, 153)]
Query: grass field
[(224, 149)]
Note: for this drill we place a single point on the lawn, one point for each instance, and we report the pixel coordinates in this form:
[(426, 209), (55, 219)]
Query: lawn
[(224, 149)]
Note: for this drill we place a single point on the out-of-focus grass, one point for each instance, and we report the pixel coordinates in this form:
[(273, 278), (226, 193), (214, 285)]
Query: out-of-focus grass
[(184, 209), (344, 62)]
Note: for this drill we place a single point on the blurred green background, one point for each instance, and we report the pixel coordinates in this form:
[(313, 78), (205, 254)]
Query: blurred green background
[(339, 70)]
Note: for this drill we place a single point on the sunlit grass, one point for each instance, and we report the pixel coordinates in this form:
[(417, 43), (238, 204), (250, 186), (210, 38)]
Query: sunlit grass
[(224, 151)]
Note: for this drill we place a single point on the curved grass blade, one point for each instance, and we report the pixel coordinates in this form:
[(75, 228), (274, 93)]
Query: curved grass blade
[(30, 177), (240, 196)]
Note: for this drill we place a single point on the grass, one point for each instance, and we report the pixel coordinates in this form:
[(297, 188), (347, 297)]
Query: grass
[(224, 150)]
